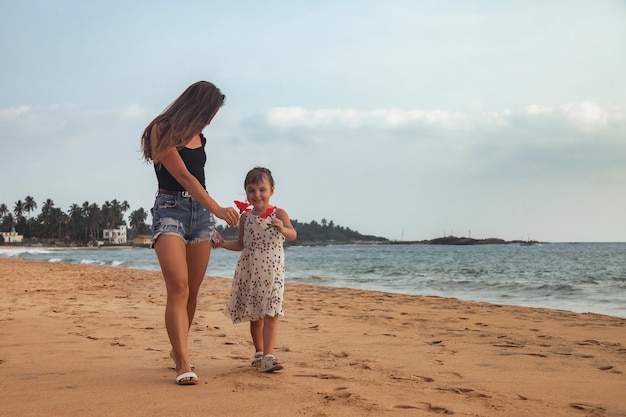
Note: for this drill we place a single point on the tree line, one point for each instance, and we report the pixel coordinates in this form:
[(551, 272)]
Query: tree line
[(315, 233), (80, 224), (83, 224)]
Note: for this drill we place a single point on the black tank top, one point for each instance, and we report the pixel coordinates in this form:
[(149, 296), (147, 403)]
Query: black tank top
[(194, 160)]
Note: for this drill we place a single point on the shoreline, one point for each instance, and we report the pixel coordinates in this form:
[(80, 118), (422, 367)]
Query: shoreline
[(611, 307), (90, 340), (69, 247)]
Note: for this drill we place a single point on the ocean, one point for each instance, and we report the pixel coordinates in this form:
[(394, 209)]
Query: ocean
[(579, 277)]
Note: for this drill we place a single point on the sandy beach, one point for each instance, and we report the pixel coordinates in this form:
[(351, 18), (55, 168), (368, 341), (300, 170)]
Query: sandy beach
[(90, 341)]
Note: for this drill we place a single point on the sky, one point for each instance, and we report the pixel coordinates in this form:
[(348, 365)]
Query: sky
[(404, 119)]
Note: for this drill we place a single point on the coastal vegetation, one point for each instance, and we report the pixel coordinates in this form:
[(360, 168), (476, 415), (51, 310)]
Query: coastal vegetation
[(80, 224), (83, 224), (314, 233)]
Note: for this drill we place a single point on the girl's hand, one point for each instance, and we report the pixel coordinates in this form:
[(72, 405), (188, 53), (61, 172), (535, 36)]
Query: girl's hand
[(277, 223), (229, 215)]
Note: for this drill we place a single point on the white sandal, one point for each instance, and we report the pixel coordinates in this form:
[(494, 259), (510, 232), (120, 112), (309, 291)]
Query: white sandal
[(187, 378), (256, 361), (270, 364)]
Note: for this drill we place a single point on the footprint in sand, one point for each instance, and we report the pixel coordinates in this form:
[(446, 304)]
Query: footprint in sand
[(319, 376), (361, 365), (589, 342), (465, 391), (341, 394), (610, 368), (412, 378), (425, 407), (588, 408)]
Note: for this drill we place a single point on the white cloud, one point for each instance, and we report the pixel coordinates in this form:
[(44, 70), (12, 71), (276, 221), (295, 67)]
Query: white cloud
[(135, 112), (348, 118), (584, 116), (588, 116), (538, 109), (13, 113), (289, 117)]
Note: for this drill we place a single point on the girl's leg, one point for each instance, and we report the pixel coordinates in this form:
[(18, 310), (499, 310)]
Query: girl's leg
[(171, 252), (270, 330), (256, 331)]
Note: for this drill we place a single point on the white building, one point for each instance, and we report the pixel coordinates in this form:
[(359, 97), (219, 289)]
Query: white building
[(12, 236), (115, 236)]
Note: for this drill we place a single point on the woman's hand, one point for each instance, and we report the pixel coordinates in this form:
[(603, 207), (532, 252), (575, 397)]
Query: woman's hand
[(218, 241), (229, 215)]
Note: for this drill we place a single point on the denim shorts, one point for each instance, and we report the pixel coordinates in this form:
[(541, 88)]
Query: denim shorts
[(182, 216)]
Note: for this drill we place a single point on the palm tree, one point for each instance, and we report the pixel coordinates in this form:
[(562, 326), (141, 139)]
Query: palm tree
[(119, 209), (113, 213), (47, 206), (8, 221), (4, 210), (56, 220), (75, 214), (46, 218), (20, 220), (18, 210), (94, 217), (29, 205), (107, 215), (137, 221), (84, 211)]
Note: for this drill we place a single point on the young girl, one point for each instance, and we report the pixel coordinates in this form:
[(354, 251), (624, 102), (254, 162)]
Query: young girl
[(183, 222), (258, 285)]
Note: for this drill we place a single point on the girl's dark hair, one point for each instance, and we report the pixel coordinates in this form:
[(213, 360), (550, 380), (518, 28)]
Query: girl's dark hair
[(187, 116), (258, 174)]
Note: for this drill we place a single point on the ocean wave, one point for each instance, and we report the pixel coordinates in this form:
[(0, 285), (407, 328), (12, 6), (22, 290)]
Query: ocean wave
[(16, 252)]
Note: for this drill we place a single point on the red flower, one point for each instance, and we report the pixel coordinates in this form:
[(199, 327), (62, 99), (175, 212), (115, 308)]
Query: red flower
[(243, 206), (267, 212)]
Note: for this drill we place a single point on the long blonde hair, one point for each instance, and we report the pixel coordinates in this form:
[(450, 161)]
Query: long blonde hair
[(187, 116)]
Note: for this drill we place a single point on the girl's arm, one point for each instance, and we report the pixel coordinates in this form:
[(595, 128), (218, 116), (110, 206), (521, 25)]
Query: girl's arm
[(283, 224), (175, 165), (236, 245)]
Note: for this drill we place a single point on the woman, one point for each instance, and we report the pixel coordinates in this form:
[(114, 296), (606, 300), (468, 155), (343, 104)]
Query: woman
[(183, 222)]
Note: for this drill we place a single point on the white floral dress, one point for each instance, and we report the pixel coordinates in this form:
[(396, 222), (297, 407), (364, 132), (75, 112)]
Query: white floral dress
[(259, 282)]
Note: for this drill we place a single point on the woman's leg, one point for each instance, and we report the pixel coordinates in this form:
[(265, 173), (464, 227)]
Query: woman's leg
[(198, 255), (171, 252)]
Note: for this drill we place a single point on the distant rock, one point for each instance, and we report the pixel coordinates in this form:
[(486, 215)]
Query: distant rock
[(453, 240)]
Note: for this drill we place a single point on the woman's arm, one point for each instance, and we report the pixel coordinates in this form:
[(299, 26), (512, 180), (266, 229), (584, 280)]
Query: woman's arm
[(236, 245), (176, 166)]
